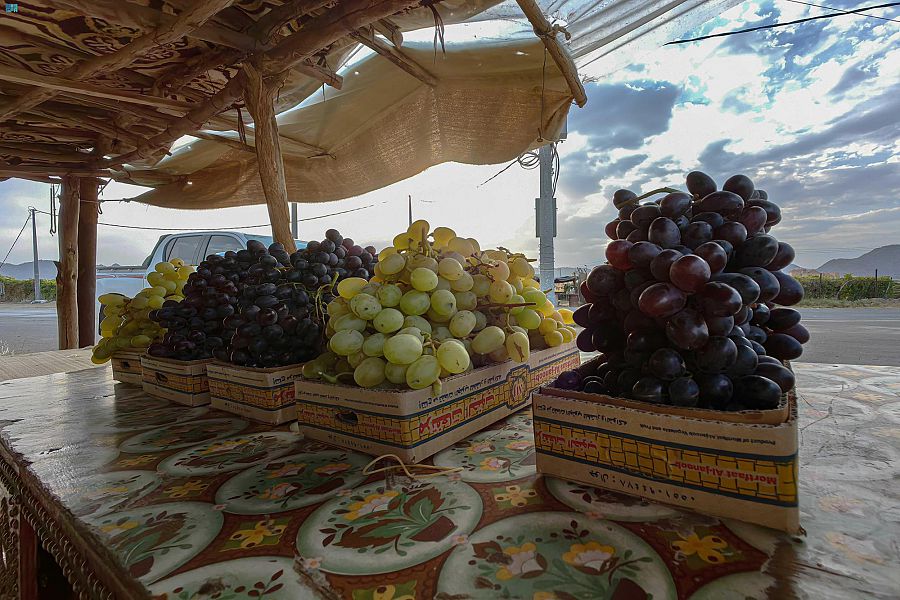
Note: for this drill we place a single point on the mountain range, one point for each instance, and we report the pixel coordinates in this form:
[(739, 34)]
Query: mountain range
[(26, 271), (885, 259)]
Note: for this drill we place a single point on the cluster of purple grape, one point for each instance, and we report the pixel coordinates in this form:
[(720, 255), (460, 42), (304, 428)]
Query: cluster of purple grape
[(278, 322), (257, 307), (686, 312), (196, 327)]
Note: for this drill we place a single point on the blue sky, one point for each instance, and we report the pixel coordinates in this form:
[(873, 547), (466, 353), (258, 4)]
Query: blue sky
[(809, 112)]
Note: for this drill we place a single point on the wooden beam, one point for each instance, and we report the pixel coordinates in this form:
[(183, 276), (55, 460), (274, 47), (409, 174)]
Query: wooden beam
[(62, 134), (58, 171), (48, 147), (396, 56), (323, 74), (52, 50), (560, 54), (67, 271), (38, 178), (221, 139), (86, 285), (389, 30), (34, 154), (193, 121), (146, 117), (62, 84), (259, 94), (292, 145), (319, 32), (80, 120), (145, 18), (268, 26), (193, 17)]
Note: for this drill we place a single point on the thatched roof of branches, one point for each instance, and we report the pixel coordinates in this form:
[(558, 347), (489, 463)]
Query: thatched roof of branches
[(103, 88)]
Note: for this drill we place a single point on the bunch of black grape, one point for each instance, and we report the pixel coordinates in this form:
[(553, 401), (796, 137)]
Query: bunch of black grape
[(687, 310), (332, 259), (280, 318), (196, 327)]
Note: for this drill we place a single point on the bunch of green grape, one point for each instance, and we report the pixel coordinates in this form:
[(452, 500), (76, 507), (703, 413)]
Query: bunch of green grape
[(126, 321), (437, 306)]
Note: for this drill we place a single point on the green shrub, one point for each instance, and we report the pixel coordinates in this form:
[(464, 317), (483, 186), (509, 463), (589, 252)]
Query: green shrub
[(846, 288), (17, 290)]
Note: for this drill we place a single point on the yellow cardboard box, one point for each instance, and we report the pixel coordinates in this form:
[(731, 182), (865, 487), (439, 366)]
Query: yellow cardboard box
[(413, 424), (746, 471)]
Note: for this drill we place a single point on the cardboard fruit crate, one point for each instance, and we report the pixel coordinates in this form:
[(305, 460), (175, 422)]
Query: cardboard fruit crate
[(126, 366), (265, 395), (180, 381), (773, 416), (742, 465), (413, 424)]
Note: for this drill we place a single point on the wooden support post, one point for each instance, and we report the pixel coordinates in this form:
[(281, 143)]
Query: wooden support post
[(87, 261), (560, 54), (259, 94), (28, 559), (67, 271)]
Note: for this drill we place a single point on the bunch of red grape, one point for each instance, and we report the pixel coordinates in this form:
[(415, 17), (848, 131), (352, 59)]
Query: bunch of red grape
[(197, 327), (281, 312), (257, 307), (686, 312)]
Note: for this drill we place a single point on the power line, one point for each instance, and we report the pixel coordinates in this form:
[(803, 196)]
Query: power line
[(3, 262), (239, 227), (774, 25), (840, 9)]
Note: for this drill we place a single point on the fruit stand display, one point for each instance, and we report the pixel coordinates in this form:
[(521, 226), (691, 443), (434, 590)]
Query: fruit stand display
[(691, 399), (280, 321), (432, 339), (128, 327)]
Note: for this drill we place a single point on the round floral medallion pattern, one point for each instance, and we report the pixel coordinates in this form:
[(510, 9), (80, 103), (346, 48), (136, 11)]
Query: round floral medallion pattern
[(182, 435), (269, 577), (492, 456), (545, 556), (153, 541), (149, 418), (603, 504), (290, 482), (229, 454), (375, 530), (105, 492)]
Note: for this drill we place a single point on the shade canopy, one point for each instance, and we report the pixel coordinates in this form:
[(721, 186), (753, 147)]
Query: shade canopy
[(105, 88)]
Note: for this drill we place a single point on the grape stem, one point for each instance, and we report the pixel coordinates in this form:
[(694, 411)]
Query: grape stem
[(661, 190), (501, 305)]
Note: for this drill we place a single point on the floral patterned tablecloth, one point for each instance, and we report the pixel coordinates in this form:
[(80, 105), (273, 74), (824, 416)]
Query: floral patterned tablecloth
[(196, 503)]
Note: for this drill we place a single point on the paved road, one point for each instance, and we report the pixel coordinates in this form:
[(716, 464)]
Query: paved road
[(867, 336), (860, 336), (27, 328)]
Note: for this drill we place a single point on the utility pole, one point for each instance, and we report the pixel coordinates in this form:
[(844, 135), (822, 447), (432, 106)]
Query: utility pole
[(34, 261), (410, 208), (545, 221), (295, 225)]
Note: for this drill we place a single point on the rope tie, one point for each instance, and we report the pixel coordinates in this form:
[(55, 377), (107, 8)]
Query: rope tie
[(53, 192), (551, 33), (241, 129), (438, 27), (405, 469)]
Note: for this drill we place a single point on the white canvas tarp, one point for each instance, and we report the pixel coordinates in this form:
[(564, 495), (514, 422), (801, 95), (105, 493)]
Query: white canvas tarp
[(497, 96)]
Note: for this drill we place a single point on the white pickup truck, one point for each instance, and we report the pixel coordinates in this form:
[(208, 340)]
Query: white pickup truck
[(191, 247)]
